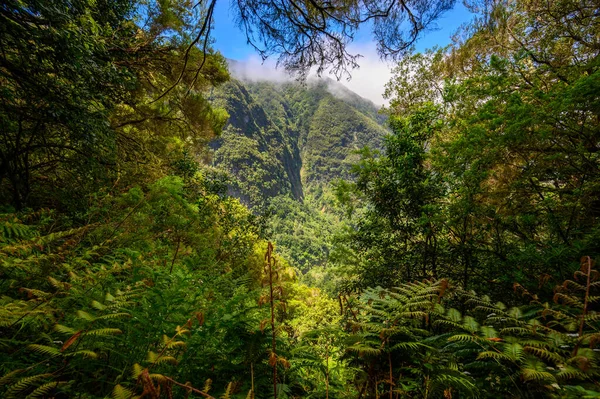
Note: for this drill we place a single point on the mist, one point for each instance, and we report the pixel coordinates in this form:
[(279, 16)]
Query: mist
[(368, 81)]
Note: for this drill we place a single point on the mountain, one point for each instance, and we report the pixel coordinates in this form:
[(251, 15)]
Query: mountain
[(283, 146), (286, 138)]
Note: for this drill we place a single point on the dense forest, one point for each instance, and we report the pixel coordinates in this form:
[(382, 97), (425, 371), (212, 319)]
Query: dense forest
[(170, 228)]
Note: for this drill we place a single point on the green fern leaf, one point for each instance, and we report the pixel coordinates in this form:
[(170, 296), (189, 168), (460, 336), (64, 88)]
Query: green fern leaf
[(104, 332), (493, 355), (44, 390), (465, 338), (544, 354), (85, 315), (514, 351), (165, 359), (120, 392), (111, 316), (227, 394), (64, 329), (45, 350), (136, 371), (17, 391), (10, 377), (529, 374), (97, 305)]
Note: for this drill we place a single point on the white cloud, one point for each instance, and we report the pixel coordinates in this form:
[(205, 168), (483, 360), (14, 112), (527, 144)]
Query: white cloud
[(370, 79), (367, 81), (254, 69)]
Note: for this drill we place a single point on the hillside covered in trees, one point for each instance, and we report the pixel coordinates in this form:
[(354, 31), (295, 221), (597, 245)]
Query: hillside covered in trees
[(170, 228), (284, 147)]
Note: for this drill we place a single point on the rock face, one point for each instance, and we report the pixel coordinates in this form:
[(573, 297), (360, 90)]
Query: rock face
[(289, 139)]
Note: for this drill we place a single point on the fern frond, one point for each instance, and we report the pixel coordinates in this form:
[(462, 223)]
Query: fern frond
[(530, 374), (470, 324), (454, 315), (111, 316), (448, 323), (97, 305), (410, 345), (466, 338), (488, 332), (156, 359), (493, 355), (136, 371), (364, 350), (120, 392), (85, 315), (104, 331), (544, 354), (10, 377), (45, 350), (227, 394), (17, 391), (176, 344), (64, 329), (44, 390), (514, 351), (166, 359), (570, 373), (207, 385)]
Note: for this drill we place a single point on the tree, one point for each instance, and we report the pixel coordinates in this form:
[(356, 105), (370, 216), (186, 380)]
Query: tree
[(316, 33), (514, 151), (77, 80)]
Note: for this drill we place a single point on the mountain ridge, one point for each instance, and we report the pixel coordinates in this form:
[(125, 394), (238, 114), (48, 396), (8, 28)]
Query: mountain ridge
[(281, 134)]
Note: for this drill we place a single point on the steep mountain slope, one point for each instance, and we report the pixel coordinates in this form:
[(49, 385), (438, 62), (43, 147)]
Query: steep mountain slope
[(283, 146), (287, 138)]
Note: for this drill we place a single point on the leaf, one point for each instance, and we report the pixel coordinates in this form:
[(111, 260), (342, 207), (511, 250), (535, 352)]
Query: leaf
[(44, 349), (64, 329), (104, 331), (514, 351), (120, 392), (85, 315), (111, 316), (44, 390), (227, 393), (97, 305), (166, 359), (9, 377), (17, 390), (207, 385), (136, 371)]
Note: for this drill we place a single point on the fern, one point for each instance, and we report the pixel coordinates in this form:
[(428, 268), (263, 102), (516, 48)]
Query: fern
[(227, 393), (120, 392), (104, 332), (10, 377), (19, 389), (45, 350), (44, 390), (207, 385)]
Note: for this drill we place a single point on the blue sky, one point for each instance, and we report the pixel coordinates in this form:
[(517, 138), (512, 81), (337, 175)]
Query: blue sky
[(373, 73)]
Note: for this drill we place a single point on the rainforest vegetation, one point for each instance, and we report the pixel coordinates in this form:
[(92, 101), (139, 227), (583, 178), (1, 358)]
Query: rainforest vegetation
[(172, 229)]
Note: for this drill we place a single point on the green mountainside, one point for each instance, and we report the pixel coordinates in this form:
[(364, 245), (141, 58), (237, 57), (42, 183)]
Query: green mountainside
[(283, 144), (287, 138)]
